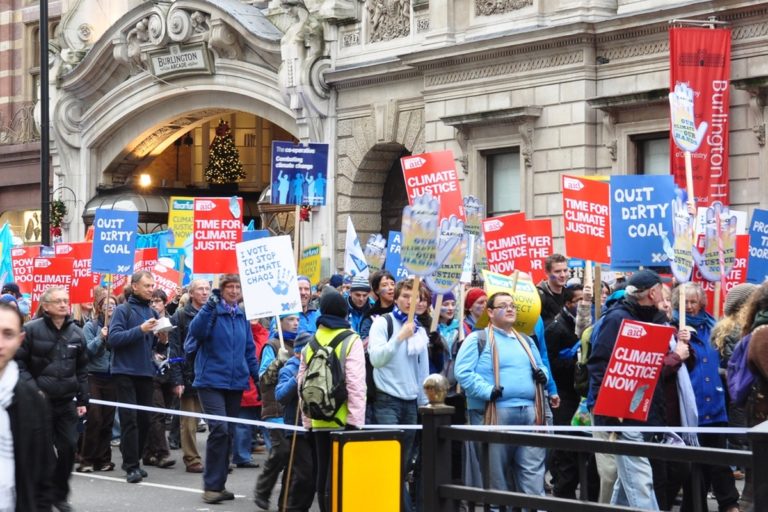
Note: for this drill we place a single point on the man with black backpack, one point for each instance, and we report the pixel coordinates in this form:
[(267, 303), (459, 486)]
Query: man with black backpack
[(331, 383)]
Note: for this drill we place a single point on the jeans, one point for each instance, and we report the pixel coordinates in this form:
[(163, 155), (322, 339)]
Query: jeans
[(242, 443), (134, 424), (390, 410), (218, 402), (525, 464), (634, 485)]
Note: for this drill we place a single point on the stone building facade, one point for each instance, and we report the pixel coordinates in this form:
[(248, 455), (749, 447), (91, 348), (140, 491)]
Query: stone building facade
[(521, 91)]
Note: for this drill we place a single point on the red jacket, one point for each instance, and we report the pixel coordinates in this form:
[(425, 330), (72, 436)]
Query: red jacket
[(260, 338)]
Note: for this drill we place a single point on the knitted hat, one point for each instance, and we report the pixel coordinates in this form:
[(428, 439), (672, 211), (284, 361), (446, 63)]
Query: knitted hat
[(10, 299), (644, 280), (301, 340), (737, 296), (11, 288), (473, 294), (360, 284), (225, 279), (332, 303), (336, 280), (303, 278), (446, 297)]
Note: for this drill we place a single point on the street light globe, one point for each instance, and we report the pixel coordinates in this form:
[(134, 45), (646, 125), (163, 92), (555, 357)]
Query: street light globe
[(145, 180)]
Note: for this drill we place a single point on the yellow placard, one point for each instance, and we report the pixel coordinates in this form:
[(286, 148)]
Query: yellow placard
[(526, 298), (358, 472), (181, 218), (309, 263)]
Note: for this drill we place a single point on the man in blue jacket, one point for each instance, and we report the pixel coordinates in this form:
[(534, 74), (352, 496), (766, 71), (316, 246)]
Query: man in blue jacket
[(132, 340)]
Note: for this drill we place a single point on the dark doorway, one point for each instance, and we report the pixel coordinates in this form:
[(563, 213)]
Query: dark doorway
[(394, 197)]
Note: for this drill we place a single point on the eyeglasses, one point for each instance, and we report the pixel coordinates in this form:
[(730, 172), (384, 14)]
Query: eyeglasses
[(509, 307), (57, 301)]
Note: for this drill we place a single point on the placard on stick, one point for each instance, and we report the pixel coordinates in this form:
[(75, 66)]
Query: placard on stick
[(633, 371), (114, 241), (268, 276), (218, 228)]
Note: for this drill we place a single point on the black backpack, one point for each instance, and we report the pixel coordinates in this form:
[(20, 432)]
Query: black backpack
[(324, 388)]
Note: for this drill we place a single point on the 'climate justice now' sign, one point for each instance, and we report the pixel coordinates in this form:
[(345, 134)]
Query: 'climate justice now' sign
[(633, 371)]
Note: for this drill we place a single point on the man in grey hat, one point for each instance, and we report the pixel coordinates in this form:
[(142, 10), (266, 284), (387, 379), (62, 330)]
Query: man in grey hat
[(634, 486), (359, 301)]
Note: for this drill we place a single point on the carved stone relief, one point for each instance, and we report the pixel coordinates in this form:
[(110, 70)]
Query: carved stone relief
[(490, 7), (388, 19)]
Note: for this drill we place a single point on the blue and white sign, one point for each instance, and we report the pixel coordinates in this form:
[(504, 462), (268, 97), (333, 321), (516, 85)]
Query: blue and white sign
[(114, 241), (757, 266), (393, 263), (299, 173), (641, 219), (268, 276)]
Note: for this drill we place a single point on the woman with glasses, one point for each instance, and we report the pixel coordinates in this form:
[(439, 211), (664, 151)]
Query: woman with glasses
[(96, 453)]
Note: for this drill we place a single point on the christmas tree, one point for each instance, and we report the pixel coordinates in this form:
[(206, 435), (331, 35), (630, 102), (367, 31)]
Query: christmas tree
[(223, 160)]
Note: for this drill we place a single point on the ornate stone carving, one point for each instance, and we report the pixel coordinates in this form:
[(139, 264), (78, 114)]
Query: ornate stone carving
[(526, 148), (350, 39), (156, 29), (388, 19), (304, 57), (223, 40), (609, 133), (508, 68), (20, 128), (490, 7), (422, 24), (757, 106)]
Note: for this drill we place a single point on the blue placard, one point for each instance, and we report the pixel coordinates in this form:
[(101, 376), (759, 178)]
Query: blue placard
[(114, 241), (393, 263), (757, 266), (641, 218), (299, 173)]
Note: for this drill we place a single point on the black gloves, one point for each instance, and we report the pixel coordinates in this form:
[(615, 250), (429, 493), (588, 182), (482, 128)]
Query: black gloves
[(215, 298), (539, 376), (496, 393)]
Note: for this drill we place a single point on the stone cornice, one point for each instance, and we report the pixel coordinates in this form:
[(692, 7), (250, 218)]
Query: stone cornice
[(633, 100), (506, 116), (383, 71)]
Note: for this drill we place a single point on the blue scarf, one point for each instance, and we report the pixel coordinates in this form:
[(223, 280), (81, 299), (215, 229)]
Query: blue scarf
[(288, 335), (703, 322), (403, 317), (232, 309)]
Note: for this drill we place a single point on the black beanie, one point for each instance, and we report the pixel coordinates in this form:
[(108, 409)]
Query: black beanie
[(333, 303)]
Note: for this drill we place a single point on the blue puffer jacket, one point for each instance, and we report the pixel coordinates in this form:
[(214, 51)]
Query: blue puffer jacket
[(705, 377), (226, 354)]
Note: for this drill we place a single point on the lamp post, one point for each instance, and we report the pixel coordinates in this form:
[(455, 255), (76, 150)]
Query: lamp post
[(45, 193)]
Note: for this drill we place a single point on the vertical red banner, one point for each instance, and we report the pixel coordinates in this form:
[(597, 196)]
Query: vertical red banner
[(143, 259), (587, 219), (701, 58), (83, 280)]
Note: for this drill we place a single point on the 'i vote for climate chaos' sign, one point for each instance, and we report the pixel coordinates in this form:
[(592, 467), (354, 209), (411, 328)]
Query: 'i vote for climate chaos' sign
[(434, 174), (268, 276), (114, 241), (83, 280), (641, 220), (48, 272), (218, 229), (22, 259), (633, 371), (587, 218)]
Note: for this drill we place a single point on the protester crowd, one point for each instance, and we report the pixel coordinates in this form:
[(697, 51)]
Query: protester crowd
[(199, 353)]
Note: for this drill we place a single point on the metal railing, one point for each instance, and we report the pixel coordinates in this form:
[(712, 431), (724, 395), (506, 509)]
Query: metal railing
[(441, 494)]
